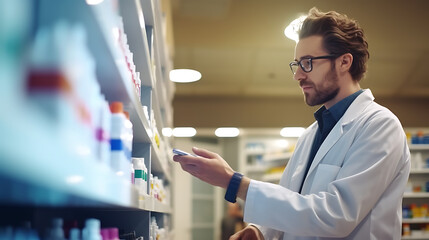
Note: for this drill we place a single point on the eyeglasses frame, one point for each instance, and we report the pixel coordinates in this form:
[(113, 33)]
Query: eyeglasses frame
[(298, 63)]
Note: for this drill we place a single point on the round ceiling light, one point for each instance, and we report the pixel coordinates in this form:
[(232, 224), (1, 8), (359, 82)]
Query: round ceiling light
[(184, 75)]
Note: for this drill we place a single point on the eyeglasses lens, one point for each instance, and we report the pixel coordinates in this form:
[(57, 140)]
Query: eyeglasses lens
[(306, 65)]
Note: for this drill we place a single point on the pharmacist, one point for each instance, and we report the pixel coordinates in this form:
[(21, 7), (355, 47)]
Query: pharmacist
[(347, 175)]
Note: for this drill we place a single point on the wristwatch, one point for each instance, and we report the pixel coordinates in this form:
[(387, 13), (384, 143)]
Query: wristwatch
[(234, 184)]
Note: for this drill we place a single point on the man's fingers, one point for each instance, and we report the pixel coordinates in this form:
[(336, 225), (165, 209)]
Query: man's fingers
[(190, 168), (204, 153), (186, 159)]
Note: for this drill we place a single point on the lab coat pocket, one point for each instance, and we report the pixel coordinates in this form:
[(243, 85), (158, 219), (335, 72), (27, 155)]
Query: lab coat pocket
[(325, 174)]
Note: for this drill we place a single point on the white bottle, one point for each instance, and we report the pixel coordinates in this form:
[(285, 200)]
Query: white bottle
[(132, 171), (75, 234), (117, 138), (91, 230), (154, 228), (138, 174), (418, 160), (56, 231), (145, 176), (151, 190), (128, 143), (105, 126)]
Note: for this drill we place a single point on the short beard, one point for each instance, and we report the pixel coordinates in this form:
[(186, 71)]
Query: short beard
[(328, 91)]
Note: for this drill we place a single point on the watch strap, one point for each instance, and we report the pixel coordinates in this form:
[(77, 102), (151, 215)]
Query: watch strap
[(233, 186)]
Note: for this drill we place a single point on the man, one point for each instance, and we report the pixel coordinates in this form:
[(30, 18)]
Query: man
[(232, 222), (349, 169)]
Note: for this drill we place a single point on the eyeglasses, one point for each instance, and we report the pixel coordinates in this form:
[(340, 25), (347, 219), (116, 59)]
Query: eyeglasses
[(306, 63)]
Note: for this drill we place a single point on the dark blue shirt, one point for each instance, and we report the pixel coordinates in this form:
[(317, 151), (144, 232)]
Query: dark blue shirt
[(326, 119)]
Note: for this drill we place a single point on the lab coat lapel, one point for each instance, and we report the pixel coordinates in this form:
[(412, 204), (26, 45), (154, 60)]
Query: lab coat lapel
[(360, 103), (330, 140), (299, 170)]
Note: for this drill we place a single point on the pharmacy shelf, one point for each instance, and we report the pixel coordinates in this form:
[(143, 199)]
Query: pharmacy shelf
[(251, 152), (44, 165), (419, 147), (272, 177), (148, 11), (152, 204), (111, 68), (256, 168), (62, 171), (136, 34), (284, 157), (415, 220), (160, 163), (419, 171), (151, 74), (416, 195), (415, 237)]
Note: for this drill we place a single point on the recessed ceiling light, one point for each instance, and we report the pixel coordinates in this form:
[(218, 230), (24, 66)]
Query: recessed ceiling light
[(184, 132), (291, 31), (227, 132), (167, 132), (184, 75), (94, 2), (292, 131)]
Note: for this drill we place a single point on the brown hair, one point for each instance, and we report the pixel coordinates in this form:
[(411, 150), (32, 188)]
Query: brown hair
[(340, 35)]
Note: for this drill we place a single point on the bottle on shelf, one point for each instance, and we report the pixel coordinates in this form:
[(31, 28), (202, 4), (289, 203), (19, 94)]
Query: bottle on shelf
[(120, 139), (75, 234), (91, 230), (139, 175)]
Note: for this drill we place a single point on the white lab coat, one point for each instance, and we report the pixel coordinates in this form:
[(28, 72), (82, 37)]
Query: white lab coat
[(353, 189)]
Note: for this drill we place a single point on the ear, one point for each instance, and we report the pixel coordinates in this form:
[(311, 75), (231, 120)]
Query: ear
[(346, 61)]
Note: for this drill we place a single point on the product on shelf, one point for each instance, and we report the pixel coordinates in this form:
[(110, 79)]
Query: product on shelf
[(420, 138), (109, 233), (61, 83), (56, 232), (102, 132), (406, 229), (91, 231), (140, 175), (157, 189), (157, 233), (75, 234), (123, 43), (121, 137), (18, 233), (415, 211)]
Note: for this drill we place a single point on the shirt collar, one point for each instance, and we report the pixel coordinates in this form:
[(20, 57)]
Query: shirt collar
[(337, 111)]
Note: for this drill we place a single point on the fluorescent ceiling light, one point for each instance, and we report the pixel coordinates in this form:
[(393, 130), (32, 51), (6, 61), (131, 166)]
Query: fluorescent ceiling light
[(291, 31), (184, 132), (167, 132), (227, 132), (94, 2), (184, 75), (292, 131)]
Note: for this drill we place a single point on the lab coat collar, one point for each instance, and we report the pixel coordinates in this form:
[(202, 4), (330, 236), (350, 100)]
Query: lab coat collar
[(355, 109)]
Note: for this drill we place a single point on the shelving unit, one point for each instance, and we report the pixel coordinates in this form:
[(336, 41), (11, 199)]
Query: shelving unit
[(417, 190), (264, 157), (45, 175)]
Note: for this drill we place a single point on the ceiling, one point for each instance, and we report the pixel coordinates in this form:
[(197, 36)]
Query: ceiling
[(241, 51)]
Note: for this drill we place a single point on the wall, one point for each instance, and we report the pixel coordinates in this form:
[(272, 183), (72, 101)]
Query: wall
[(191, 208), (258, 112)]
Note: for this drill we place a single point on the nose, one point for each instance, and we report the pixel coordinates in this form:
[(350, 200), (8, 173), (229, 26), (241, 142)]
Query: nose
[(299, 74)]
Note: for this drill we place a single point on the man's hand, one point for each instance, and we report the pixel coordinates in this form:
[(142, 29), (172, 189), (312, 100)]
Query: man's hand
[(249, 233), (208, 166)]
